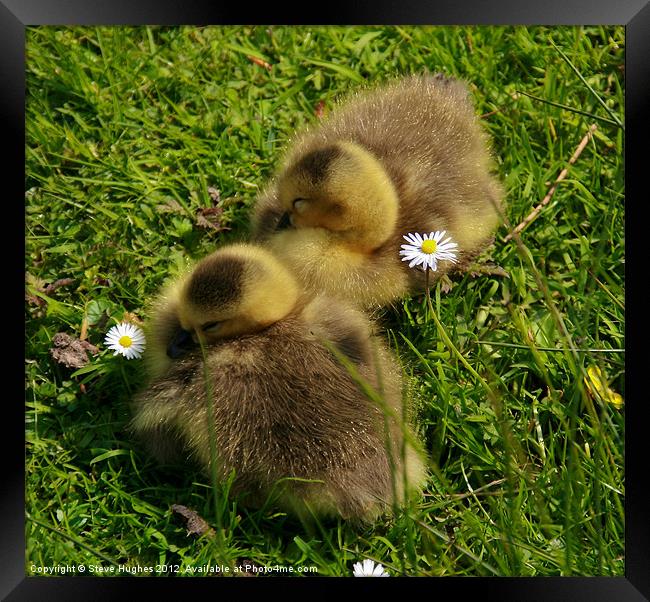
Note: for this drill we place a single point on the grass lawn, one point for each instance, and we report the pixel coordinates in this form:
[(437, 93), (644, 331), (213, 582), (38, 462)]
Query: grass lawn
[(133, 133)]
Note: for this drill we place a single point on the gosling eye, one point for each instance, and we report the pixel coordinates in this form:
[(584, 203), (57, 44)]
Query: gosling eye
[(182, 342), (299, 205), (211, 327)]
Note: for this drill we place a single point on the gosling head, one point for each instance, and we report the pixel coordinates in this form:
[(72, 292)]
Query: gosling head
[(236, 290), (342, 188)]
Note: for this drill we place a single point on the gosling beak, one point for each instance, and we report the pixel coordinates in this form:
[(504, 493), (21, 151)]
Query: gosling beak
[(181, 344), (285, 222)]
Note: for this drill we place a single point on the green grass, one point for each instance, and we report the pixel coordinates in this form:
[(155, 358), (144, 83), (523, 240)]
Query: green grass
[(127, 128)]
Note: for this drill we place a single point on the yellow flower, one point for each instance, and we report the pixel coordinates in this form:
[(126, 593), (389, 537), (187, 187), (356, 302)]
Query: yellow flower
[(597, 386)]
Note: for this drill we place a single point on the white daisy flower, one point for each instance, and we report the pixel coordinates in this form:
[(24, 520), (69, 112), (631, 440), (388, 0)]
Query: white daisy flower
[(126, 339), (367, 568), (426, 250)]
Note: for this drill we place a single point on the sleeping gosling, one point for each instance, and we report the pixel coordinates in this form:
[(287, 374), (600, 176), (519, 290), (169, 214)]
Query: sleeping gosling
[(409, 156), (248, 372)]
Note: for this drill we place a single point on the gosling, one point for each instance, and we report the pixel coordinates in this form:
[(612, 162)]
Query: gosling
[(407, 157), (250, 373)]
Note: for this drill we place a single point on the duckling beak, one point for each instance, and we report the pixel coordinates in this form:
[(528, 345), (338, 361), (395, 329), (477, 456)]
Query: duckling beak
[(285, 222), (181, 344)]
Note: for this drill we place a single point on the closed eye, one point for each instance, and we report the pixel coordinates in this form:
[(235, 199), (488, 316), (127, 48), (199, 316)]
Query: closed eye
[(210, 326), (299, 204)]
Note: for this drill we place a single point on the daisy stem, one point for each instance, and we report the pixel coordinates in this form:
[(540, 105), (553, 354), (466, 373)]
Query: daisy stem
[(448, 341), (124, 378)]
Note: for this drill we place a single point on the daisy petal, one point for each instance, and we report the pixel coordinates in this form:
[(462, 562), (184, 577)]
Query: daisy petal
[(378, 571), (126, 339), (427, 256)]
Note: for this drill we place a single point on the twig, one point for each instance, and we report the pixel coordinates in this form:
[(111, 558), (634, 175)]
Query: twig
[(485, 115), (84, 328), (547, 199), (260, 62)]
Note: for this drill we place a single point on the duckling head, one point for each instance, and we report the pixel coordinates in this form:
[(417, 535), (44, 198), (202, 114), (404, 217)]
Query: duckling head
[(237, 290), (343, 188)]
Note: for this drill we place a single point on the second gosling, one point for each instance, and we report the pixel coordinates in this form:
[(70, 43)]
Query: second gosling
[(268, 395), (409, 156)]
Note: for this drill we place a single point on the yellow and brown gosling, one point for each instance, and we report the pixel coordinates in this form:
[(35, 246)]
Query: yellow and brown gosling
[(249, 372), (409, 156)]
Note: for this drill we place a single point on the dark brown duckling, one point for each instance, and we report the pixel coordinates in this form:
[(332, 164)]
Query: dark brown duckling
[(246, 365)]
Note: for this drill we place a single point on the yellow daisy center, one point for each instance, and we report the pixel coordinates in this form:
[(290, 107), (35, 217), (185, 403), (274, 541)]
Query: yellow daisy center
[(125, 341), (429, 246)]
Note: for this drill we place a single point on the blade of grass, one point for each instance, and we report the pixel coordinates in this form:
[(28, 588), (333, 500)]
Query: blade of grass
[(586, 83), (571, 109)]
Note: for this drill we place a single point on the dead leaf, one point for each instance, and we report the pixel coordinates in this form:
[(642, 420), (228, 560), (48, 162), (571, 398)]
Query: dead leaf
[(195, 525), (41, 286), (34, 281), (489, 269), (245, 565), (319, 111), (35, 300), (210, 217), (44, 287), (131, 318), (40, 305), (214, 194), (446, 284), (170, 206), (50, 288), (71, 352)]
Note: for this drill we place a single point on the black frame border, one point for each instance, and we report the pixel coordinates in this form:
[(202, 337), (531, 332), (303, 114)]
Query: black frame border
[(15, 15)]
